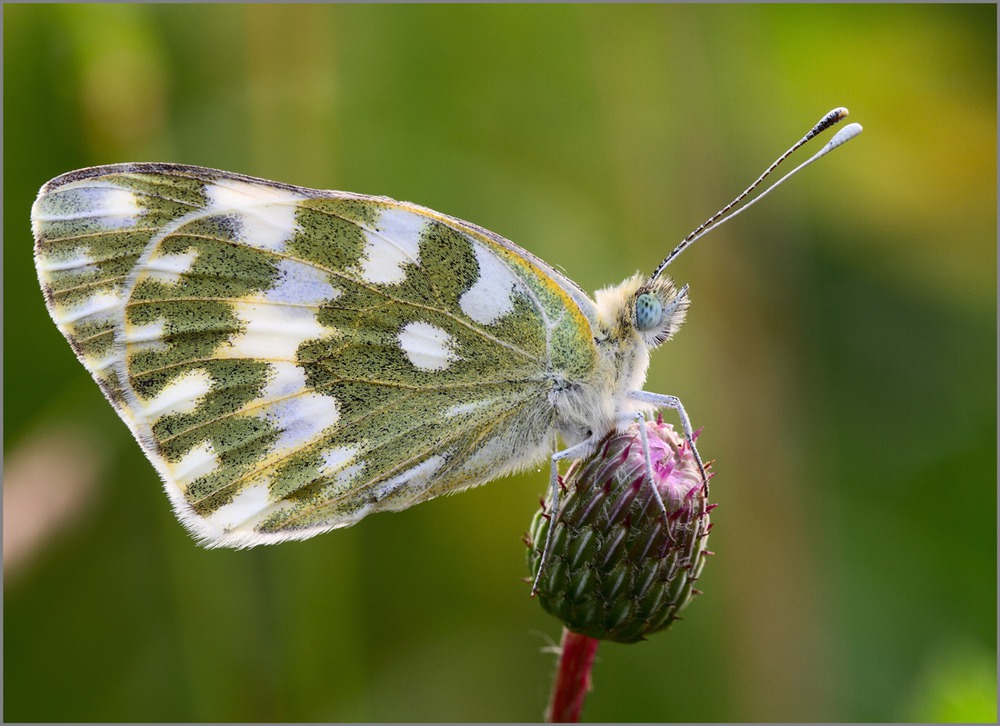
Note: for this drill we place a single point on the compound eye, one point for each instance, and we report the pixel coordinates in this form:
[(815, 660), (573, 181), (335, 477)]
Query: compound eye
[(648, 311)]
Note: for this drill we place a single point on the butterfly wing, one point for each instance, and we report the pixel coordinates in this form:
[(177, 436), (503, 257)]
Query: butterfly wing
[(291, 360)]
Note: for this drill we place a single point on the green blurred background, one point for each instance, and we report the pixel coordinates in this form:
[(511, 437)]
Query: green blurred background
[(840, 354)]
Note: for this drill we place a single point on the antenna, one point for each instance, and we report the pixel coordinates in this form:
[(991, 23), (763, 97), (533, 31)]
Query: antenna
[(720, 217)]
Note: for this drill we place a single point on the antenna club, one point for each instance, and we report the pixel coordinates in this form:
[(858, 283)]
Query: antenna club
[(833, 117), (844, 135)]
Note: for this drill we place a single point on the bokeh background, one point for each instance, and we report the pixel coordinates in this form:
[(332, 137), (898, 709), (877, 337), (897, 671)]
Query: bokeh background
[(840, 354)]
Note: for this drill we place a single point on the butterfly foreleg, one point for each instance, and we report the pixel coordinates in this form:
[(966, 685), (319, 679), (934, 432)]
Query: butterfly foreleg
[(572, 452), (661, 400)]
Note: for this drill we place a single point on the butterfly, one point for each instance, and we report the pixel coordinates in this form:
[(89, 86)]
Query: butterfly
[(291, 360)]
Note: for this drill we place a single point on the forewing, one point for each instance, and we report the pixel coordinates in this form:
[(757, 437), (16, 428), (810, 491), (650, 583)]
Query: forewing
[(291, 360)]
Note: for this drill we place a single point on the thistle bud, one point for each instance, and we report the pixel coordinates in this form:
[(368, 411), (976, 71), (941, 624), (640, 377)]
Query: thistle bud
[(618, 567)]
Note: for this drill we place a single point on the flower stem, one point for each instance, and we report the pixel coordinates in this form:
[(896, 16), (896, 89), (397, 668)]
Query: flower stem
[(576, 658)]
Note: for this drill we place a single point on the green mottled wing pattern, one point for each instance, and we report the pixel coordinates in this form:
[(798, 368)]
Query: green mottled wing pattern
[(291, 360)]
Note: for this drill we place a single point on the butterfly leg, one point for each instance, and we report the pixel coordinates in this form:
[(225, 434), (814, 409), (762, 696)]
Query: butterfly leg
[(661, 400), (644, 437), (572, 452)]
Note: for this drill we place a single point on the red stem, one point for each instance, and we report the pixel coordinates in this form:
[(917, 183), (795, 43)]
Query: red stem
[(576, 658)]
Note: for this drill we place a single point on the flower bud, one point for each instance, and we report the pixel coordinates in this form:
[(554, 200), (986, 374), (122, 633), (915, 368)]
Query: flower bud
[(618, 568)]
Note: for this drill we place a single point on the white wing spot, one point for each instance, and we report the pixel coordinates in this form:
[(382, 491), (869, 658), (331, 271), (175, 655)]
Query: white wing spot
[(113, 206), (337, 459), (426, 346), (387, 250), (301, 284), (181, 395), (167, 269), (80, 262), (97, 365), (272, 332), (300, 416), (146, 337), (339, 466), (101, 305), (195, 464), (491, 297), (266, 214), (248, 505)]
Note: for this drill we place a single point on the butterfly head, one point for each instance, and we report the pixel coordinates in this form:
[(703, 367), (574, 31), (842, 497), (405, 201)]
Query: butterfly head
[(659, 310), (653, 309)]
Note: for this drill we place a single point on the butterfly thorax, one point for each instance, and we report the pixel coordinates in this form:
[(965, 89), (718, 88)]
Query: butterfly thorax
[(623, 336)]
